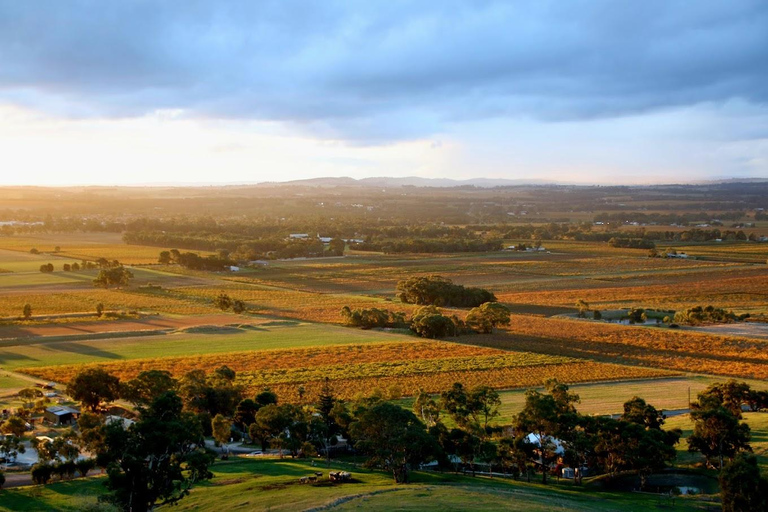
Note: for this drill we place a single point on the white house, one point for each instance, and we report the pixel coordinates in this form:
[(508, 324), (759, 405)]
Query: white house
[(298, 236), (534, 440), (233, 268)]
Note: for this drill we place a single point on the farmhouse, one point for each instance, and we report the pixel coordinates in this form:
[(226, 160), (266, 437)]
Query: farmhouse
[(298, 236), (61, 415)]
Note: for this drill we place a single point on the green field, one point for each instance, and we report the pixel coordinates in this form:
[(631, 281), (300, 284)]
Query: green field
[(278, 334), (273, 485), (603, 398)]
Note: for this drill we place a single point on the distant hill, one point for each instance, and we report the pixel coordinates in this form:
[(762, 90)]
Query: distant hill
[(411, 181)]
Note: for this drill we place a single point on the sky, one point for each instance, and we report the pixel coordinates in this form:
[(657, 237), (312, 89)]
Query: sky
[(140, 92)]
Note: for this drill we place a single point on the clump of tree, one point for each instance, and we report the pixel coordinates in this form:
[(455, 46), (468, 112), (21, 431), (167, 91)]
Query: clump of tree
[(429, 322), (114, 276), (631, 243), (225, 302), (46, 268), (637, 316), (194, 261), (707, 315), (26, 312), (438, 291), (369, 318)]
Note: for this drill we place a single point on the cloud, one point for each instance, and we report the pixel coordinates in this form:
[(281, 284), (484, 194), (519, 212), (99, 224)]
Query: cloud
[(376, 72)]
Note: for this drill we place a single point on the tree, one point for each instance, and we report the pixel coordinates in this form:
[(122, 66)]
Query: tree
[(10, 446), (213, 394), (67, 267), (46, 267), (717, 433), (426, 409), (146, 462), (94, 386), (540, 416), (742, 489), (165, 257), (428, 322), (487, 316), (455, 402), (393, 438), (583, 307), (245, 413), (222, 429), (238, 306), (326, 428), (483, 405), (27, 312), (90, 425), (732, 395), (15, 426), (222, 301), (30, 394), (265, 397), (113, 276), (147, 386), (75, 267), (636, 410), (271, 423), (99, 309), (336, 247)]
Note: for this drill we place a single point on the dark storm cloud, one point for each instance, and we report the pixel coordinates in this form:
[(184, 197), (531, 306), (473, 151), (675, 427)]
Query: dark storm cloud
[(381, 70)]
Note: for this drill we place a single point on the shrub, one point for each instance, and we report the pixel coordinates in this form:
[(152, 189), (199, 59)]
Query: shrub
[(42, 473)]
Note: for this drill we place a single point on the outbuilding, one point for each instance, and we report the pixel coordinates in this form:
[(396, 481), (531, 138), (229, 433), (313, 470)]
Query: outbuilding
[(61, 415)]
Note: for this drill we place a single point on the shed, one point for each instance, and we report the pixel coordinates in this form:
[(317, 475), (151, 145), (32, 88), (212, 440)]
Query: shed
[(61, 415)]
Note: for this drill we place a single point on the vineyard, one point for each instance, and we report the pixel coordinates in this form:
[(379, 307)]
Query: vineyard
[(742, 292), (358, 369), (644, 346)]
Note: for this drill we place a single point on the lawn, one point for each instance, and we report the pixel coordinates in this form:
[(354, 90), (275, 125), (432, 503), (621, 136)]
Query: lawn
[(273, 485)]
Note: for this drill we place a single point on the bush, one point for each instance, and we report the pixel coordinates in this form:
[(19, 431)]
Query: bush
[(42, 473), (373, 317), (709, 314), (84, 466)]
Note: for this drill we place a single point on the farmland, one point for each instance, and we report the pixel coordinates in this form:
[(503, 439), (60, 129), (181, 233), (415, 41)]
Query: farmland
[(354, 369), (288, 335)]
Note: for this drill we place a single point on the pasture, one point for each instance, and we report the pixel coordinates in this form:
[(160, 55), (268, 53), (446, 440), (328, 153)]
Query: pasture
[(272, 484), (264, 336)]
